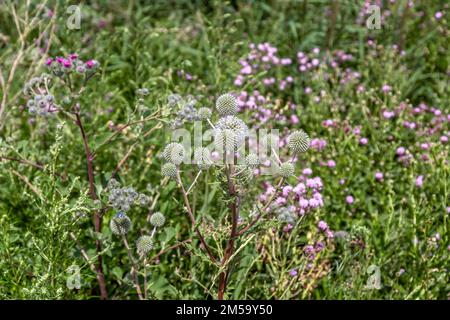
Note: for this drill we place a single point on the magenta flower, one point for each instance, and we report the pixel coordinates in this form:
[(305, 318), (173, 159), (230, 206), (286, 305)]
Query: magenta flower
[(419, 181), (303, 203), (90, 64), (386, 88), (331, 164), (363, 141), (294, 119), (349, 199), (379, 176), (322, 225), (286, 191), (246, 70), (400, 151), (67, 63), (438, 15), (425, 146), (388, 114)]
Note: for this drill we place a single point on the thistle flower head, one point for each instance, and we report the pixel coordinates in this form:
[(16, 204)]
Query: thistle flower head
[(252, 160), (157, 219), (169, 170), (174, 153), (227, 105), (120, 224), (299, 141), (202, 157), (286, 169), (144, 245), (225, 140), (230, 133), (204, 113)]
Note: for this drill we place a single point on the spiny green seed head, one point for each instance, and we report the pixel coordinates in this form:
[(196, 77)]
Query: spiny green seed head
[(120, 224), (227, 105), (157, 219), (252, 160), (230, 133), (174, 153), (225, 140), (286, 169), (169, 170), (299, 141), (144, 245), (202, 158), (204, 113)]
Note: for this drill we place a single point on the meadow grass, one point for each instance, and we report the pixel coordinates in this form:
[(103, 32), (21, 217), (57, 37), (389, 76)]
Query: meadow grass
[(374, 102)]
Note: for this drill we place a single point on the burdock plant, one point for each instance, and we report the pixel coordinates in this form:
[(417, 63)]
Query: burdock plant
[(59, 92), (230, 134)]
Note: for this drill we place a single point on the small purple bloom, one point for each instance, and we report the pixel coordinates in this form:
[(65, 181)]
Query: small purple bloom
[(419, 181), (349, 199), (379, 176), (363, 141)]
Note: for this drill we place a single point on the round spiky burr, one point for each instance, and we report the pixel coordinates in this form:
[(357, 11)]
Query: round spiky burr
[(252, 160), (157, 219), (174, 153), (227, 105), (169, 170), (120, 224), (299, 141), (144, 245), (230, 133), (286, 169)]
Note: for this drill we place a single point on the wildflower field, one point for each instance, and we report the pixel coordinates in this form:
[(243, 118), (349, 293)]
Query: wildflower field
[(275, 150)]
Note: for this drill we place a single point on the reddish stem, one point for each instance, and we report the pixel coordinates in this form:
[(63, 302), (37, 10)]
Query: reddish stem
[(234, 207), (97, 216)]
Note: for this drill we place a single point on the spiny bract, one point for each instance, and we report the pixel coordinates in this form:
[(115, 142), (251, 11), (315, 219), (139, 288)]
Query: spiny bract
[(299, 141), (227, 105), (230, 133), (169, 170), (157, 219), (286, 169), (144, 245), (252, 160), (120, 224), (174, 153)]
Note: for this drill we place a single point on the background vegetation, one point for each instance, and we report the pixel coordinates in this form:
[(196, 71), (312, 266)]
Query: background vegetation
[(380, 83)]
